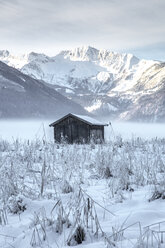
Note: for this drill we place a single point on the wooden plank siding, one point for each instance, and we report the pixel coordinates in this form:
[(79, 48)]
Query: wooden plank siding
[(71, 129)]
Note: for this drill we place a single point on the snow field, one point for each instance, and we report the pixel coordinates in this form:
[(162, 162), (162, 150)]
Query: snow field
[(49, 192)]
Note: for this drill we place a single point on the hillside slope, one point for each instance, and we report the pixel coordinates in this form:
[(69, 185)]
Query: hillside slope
[(23, 96)]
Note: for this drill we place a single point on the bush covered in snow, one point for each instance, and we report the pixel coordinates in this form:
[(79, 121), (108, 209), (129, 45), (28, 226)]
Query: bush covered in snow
[(16, 204)]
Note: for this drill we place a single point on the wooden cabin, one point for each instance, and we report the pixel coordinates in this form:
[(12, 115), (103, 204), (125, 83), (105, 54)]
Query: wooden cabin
[(73, 128)]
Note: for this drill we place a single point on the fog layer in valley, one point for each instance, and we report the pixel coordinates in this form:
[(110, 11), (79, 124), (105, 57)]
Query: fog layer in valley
[(22, 129)]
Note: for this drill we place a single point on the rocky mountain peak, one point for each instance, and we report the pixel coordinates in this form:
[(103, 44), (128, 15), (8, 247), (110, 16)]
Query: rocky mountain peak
[(84, 53), (36, 56), (4, 53)]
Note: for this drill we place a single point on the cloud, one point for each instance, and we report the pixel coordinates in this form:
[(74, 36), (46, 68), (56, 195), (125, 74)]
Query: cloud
[(55, 24)]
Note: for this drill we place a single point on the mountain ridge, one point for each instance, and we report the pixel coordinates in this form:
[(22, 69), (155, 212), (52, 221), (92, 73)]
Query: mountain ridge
[(103, 82)]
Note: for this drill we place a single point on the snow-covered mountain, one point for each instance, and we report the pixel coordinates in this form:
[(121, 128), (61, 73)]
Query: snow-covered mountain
[(103, 82), (23, 96)]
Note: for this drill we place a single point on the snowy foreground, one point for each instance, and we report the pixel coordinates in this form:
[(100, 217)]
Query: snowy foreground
[(110, 195)]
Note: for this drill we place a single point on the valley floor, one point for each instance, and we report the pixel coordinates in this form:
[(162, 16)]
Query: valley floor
[(36, 129)]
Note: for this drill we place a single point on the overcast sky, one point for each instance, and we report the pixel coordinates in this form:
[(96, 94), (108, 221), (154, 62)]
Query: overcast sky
[(135, 26)]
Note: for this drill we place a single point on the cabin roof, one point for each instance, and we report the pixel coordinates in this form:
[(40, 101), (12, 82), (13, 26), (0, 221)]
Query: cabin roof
[(84, 118)]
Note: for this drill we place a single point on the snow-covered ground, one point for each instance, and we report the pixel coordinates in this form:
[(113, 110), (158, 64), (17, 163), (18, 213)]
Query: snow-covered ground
[(52, 195)]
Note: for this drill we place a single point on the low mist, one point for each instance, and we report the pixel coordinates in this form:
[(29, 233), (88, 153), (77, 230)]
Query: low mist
[(39, 129)]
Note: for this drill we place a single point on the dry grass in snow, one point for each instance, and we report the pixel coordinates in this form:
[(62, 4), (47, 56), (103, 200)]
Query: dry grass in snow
[(105, 195)]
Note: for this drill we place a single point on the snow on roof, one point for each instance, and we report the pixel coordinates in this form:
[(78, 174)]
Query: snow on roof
[(90, 120), (83, 118)]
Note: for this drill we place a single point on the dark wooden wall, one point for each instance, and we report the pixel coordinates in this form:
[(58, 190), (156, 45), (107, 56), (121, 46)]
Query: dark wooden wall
[(97, 133), (72, 130)]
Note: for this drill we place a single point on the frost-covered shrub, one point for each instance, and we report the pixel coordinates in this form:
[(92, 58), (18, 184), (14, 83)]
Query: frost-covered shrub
[(92, 145), (3, 217), (9, 180), (16, 204), (78, 236), (157, 194), (60, 222), (66, 187), (104, 162), (4, 146), (107, 173)]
